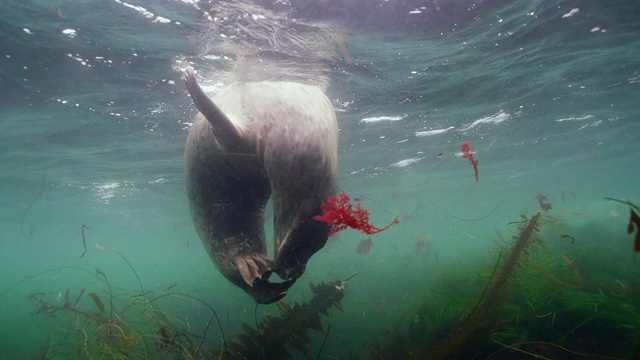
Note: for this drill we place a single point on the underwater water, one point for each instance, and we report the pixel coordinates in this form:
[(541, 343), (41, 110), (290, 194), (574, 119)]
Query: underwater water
[(99, 257)]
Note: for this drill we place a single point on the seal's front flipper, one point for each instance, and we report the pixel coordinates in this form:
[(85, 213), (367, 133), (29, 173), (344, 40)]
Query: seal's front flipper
[(252, 267), (222, 126), (255, 270), (265, 292)]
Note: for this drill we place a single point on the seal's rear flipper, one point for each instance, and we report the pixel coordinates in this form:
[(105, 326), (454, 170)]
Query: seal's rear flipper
[(223, 128)]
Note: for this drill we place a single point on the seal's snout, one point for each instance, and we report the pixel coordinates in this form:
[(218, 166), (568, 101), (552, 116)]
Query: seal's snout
[(265, 292)]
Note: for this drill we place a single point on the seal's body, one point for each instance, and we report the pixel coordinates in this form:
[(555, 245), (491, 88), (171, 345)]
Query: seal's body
[(254, 141)]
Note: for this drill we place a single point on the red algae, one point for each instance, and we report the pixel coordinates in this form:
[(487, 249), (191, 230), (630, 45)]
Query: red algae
[(339, 213)]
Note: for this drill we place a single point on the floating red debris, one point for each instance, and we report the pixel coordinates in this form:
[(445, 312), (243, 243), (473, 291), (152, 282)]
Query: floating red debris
[(339, 213), (467, 153)]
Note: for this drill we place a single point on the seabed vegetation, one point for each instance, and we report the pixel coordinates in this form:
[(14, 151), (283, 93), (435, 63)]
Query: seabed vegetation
[(534, 303), (96, 323), (102, 325), (550, 292)]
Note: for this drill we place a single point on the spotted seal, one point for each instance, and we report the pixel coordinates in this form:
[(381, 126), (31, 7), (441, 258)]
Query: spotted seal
[(252, 142)]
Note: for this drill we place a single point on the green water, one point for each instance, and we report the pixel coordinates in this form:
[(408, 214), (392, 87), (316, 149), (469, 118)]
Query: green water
[(92, 132)]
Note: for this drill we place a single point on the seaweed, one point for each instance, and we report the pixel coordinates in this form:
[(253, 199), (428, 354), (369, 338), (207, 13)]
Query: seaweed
[(479, 313), (84, 241), (170, 334), (106, 331), (24, 215), (324, 340), (138, 334), (634, 221), (536, 303), (576, 324), (565, 236), (543, 202), (453, 330), (131, 327), (480, 218), (142, 292), (99, 272), (553, 278), (275, 335), (143, 333), (97, 301), (31, 277)]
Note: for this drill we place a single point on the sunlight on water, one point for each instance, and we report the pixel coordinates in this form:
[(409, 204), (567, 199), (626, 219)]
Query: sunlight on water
[(100, 257)]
